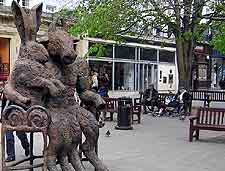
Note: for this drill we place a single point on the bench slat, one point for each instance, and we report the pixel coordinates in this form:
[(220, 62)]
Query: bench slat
[(206, 117), (210, 118), (202, 116), (214, 119), (218, 118), (222, 118)]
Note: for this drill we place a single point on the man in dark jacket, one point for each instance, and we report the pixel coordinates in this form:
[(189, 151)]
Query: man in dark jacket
[(150, 98)]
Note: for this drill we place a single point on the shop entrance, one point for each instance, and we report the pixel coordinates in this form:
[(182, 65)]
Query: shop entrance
[(4, 59)]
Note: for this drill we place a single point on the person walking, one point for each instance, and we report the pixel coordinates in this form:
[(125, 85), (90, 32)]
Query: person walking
[(10, 144), (103, 85), (94, 81)]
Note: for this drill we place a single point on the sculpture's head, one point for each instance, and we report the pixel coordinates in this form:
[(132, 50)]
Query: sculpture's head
[(28, 23), (60, 45)]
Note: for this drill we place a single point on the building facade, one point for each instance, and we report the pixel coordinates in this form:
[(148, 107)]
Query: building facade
[(133, 66)]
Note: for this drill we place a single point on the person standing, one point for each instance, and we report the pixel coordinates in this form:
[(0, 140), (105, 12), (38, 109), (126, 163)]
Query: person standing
[(95, 82), (10, 140), (103, 85), (10, 144)]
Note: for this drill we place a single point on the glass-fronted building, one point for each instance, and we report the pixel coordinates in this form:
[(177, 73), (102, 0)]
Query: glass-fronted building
[(132, 66)]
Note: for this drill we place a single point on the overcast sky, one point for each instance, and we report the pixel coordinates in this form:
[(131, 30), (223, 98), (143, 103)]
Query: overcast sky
[(59, 3)]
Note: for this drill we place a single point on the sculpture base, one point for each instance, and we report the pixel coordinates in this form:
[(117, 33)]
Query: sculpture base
[(123, 127)]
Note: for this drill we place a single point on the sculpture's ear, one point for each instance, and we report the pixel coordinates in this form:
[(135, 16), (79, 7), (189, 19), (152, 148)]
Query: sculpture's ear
[(18, 13), (36, 14), (52, 27)]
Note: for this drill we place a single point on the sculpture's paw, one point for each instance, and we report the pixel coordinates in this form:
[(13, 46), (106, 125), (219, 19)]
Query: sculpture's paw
[(59, 84), (55, 92)]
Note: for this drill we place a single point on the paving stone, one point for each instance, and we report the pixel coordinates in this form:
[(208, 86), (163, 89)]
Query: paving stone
[(157, 144)]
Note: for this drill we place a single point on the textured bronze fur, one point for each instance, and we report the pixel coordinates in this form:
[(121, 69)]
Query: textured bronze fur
[(49, 78), (75, 75), (29, 77)]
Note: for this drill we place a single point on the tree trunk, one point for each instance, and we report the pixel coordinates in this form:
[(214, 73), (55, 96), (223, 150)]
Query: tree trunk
[(184, 57)]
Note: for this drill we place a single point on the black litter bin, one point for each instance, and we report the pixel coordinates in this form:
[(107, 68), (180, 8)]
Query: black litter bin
[(124, 114)]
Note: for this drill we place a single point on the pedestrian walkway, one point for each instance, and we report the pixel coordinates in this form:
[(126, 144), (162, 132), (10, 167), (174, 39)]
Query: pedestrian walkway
[(158, 144)]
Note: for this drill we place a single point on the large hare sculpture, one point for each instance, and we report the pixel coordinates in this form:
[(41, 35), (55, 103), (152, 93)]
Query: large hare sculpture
[(66, 113), (29, 76), (68, 118)]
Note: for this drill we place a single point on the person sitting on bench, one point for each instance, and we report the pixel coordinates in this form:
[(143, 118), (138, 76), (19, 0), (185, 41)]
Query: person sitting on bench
[(150, 98)]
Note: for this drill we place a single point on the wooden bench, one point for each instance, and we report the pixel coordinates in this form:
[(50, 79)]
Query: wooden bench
[(206, 119), (112, 108), (208, 96), (136, 110)]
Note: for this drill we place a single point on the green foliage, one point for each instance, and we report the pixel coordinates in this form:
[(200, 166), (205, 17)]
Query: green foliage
[(97, 50), (219, 37), (103, 18), (109, 19)]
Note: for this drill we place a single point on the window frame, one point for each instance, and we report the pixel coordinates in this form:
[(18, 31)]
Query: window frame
[(25, 3), (2, 2)]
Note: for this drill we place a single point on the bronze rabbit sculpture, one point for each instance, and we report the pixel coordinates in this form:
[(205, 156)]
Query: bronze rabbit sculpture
[(29, 76), (51, 82)]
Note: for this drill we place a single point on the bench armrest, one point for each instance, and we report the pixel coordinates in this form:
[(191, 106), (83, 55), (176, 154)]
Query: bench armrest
[(191, 118)]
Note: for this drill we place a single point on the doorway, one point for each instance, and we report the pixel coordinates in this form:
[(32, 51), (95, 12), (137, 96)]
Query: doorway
[(4, 59)]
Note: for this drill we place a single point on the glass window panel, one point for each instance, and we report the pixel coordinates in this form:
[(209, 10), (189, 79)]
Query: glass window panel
[(25, 3), (124, 52), (124, 76), (106, 50), (166, 56), (149, 74), (2, 2), (102, 68), (50, 8), (149, 54), (164, 80)]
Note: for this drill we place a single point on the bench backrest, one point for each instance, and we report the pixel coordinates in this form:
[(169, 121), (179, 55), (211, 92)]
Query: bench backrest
[(111, 104), (203, 95), (162, 96), (211, 116)]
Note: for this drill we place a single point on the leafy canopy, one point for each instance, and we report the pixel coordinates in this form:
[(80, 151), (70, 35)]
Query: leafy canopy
[(110, 18), (103, 18)]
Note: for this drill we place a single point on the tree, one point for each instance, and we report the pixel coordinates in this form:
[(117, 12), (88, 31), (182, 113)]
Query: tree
[(183, 18)]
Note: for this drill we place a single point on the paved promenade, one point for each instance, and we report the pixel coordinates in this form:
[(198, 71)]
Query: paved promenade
[(158, 144)]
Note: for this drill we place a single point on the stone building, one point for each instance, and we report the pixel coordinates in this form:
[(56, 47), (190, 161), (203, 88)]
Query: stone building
[(10, 40)]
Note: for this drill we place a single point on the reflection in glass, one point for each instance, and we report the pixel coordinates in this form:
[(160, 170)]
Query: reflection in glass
[(124, 52), (104, 50), (149, 54), (124, 76), (102, 67), (166, 56)]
